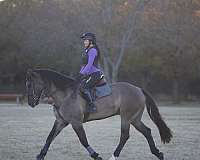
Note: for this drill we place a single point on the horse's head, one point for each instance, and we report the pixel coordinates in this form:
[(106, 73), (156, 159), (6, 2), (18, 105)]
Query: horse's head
[(39, 81), (34, 86)]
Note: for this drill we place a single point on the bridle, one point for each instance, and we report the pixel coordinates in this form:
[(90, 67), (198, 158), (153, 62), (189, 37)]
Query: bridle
[(31, 91), (48, 93), (45, 90)]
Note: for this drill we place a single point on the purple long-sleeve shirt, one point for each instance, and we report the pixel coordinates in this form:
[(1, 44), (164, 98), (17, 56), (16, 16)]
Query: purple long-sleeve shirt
[(89, 68)]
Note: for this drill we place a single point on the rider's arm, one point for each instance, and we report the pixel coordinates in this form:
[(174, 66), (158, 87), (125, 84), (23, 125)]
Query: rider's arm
[(92, 54)]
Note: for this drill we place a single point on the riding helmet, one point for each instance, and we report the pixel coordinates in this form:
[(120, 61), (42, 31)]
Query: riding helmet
[(89, 36)]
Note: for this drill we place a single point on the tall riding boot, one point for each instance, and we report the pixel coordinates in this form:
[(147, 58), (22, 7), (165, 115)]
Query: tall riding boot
[(90, 107)]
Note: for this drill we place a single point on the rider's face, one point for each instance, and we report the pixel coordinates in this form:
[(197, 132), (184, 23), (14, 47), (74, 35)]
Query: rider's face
[(86, 43)]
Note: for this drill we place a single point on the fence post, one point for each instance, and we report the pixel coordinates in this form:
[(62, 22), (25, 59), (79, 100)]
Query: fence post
[(17, 100)]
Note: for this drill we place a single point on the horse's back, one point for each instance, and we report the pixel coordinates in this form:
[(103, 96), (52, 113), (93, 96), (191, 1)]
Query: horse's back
[(128, 90), (125, 97)]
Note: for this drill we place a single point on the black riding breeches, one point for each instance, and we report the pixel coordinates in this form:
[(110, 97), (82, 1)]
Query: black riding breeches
[(89, 82)]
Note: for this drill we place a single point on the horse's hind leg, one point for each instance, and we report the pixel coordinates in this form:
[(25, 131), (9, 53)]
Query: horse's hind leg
[(140, 126), (125, 127), (57, 127)]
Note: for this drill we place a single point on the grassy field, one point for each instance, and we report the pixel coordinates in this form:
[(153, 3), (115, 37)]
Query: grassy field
[(23, 132)]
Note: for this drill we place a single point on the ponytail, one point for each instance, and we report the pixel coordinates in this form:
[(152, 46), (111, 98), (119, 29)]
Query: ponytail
[(98, 51)]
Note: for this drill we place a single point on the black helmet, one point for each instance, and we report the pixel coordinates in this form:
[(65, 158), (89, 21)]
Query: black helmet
[(89, 36)]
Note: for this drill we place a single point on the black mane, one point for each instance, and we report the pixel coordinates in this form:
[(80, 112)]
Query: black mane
[(60, 80)]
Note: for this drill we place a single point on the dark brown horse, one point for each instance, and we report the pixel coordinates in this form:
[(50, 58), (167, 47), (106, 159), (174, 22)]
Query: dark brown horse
[(126, 100)]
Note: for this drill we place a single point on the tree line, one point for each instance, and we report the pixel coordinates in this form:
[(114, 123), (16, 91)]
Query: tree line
[(153, 44)]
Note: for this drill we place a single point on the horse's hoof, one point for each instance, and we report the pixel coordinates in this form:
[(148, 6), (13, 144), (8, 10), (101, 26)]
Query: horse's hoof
[(161, 156)]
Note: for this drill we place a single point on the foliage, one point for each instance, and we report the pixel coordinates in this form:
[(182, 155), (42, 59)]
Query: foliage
[(141, 40)]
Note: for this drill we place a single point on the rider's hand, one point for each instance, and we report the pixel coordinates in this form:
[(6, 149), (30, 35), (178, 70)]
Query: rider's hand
[(80, 77)]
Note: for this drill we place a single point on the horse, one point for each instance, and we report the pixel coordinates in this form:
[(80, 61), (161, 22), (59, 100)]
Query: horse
[(126, 100)]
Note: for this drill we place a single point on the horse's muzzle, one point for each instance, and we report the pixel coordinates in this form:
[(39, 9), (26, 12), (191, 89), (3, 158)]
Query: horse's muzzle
[(33, 103)]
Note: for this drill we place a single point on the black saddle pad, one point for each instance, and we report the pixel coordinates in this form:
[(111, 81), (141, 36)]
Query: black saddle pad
[(101, 91)]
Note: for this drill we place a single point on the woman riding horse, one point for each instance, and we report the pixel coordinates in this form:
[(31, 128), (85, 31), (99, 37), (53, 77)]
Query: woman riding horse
[(127, 101), (90, 72)]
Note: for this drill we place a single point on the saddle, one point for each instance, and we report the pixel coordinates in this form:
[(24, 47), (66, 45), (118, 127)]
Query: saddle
[(101, 82), (101, 89)]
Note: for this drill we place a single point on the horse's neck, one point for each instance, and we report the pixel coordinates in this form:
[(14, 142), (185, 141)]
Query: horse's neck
[(59, 95)]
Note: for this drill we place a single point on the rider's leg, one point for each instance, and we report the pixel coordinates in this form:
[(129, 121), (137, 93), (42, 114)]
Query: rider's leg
[(86, 85), (87, 95)]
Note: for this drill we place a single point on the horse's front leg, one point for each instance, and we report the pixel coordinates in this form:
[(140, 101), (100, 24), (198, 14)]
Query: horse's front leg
[(57, 127), (78, 128)]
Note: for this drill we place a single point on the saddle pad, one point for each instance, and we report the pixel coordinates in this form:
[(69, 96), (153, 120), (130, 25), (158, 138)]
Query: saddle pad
[(99, 92), (102, 91)]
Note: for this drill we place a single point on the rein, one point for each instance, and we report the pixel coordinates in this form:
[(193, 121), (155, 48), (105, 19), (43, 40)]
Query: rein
[(49, 94), (47, 91)]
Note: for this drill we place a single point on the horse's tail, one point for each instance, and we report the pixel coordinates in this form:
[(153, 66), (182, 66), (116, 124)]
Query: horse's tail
[(164, 130)]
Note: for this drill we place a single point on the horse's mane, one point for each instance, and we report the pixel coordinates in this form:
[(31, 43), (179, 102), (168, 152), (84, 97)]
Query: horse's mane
[(60, 80)]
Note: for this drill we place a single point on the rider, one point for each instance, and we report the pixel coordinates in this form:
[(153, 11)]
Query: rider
[(90, 72)]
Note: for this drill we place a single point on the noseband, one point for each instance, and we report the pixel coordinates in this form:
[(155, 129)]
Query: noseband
[(31, 90)]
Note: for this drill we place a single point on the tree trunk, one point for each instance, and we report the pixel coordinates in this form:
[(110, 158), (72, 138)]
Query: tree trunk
[(106, 69)]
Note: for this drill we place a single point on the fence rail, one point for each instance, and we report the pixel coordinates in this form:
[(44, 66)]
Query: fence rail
[(11, 96)]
